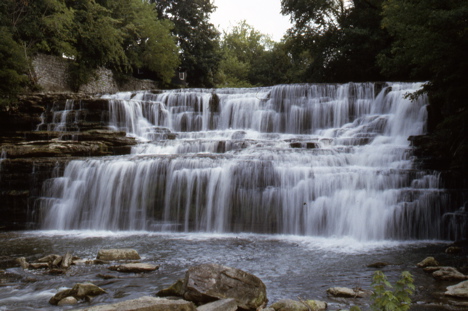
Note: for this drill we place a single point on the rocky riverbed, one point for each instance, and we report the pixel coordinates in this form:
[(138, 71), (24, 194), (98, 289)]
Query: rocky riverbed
[(202, 269)]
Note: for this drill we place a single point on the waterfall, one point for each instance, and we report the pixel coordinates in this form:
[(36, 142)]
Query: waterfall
[(321, 160)]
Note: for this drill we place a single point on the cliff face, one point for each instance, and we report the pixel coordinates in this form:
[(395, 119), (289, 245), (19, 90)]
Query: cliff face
[(38, 137)]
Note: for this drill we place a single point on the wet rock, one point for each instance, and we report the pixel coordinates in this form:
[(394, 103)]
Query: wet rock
[(346, 292), (431, 269), (146, 303), (295, 145), (378, 265), (38, 265), (209, 282), (56, 149), (118, 254), (80, 262), (57, 271), (79, 291), (57, 261), (429, 261), (61, 295), (23, 263), (177, 289), (310, 145), (134, 267), (459, 290), (220, 305), (67, 301), (49, 258), (293, 305), (453, 250), (449, 274), (66, 261)]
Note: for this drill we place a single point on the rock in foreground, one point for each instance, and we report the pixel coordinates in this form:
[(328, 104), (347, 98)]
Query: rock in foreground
[(79, 291), (146, 303), (210, 282)]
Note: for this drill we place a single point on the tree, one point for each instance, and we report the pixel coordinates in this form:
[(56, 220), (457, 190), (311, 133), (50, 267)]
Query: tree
[(245, 52), (342, 37), (197, 38), (13, 67)]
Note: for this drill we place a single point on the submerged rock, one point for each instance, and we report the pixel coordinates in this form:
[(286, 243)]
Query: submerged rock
[(146, 303), (210, 282), (346, 292), (118, 254), (378, 265), (459, 290), (134, 267)]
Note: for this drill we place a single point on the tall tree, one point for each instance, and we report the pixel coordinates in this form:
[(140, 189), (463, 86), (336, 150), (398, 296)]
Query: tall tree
[(343, 38), (197, 37)]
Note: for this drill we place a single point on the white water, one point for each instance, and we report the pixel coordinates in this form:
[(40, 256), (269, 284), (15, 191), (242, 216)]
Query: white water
[(318, 160)]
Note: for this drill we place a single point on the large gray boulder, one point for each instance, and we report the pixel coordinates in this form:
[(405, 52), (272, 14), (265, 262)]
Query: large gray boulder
[(209, 282), (145, 303), (118, 254), (459, 290)]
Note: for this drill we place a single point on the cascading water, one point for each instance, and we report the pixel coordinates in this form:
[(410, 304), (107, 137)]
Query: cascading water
[(321, 160)]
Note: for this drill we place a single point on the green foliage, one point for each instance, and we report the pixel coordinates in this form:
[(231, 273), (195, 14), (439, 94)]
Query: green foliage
[(391, 298), (343, 38), (13, 68), (197, 38)]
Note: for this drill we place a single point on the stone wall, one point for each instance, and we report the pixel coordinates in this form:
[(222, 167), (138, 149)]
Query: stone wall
[(52, 75)]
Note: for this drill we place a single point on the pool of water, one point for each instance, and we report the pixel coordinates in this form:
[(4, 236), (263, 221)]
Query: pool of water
[(290, 266)]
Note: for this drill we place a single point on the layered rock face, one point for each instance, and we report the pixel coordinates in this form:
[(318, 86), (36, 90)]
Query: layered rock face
[(38, 136)]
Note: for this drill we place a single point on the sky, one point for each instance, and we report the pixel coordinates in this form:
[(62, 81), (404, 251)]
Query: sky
[(263, 15)]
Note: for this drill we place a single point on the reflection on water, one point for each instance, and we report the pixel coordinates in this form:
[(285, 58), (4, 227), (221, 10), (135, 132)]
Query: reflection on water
[(290, 266)]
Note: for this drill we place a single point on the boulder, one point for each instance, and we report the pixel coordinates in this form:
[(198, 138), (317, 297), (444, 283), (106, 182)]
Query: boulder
[(346, 292), (210, 282), (429, 261), (134, 267), (79, 291), (459, 290), (293, 305), (67, 301), (220, 305), (449, 274), (118, 254), (146, 303)]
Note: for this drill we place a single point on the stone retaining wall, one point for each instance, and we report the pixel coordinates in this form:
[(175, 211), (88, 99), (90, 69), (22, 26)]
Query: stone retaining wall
[(52, 75)]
